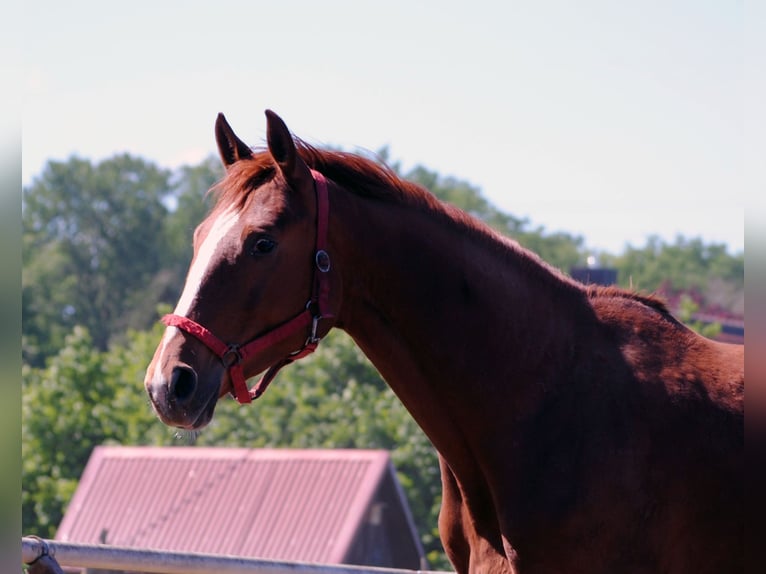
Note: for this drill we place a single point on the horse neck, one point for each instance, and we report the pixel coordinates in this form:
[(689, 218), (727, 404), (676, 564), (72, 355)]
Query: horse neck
[(449, 315)]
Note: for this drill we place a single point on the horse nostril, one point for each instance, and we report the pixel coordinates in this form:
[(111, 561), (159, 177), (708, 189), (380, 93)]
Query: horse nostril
[(183, 381)]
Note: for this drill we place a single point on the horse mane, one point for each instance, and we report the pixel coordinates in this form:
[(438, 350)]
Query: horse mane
[(375, 180), (361, 175)]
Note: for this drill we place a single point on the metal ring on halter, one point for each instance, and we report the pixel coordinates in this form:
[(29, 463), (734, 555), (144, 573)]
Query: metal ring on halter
[(232, 351), (322, 259)]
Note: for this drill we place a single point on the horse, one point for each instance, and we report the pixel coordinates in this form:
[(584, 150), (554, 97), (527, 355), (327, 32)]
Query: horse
[(579, 428)]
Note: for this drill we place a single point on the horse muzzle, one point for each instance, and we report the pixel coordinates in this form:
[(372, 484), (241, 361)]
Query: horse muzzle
[(178, 399)]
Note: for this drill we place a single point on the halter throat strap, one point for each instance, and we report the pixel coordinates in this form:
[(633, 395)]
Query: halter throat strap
[(233, 355)]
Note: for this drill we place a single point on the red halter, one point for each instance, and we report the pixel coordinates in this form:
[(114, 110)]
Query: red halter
[(232, 356)]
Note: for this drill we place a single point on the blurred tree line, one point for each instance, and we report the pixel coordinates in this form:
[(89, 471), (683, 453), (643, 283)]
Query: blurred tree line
[(105, 250)]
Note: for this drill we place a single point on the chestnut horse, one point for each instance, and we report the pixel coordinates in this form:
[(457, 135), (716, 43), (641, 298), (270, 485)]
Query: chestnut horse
[(580, 429)]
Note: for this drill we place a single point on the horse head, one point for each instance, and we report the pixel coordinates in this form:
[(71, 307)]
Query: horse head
[(253, 299)]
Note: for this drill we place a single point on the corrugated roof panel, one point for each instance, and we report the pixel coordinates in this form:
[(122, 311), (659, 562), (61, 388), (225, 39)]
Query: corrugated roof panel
[(281, 504)]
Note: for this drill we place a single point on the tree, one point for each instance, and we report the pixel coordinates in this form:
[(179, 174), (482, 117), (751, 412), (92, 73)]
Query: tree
[(465, 196), (559, 249), (81, 399), (102, 244), (686, 263), (92, 239), (686, 310)]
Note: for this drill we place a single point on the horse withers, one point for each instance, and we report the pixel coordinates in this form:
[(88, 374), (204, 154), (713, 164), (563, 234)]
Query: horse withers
[(580, 429)]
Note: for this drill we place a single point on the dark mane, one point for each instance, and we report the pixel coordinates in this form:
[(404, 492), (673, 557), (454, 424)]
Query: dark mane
[(354, 172), (365, 176), (371, 179)]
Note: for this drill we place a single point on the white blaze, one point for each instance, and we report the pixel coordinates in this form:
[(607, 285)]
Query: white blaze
[(221, 226), (199, 268)]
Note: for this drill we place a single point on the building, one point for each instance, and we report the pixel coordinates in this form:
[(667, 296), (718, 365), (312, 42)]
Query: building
[(321, 506), (597, 275)]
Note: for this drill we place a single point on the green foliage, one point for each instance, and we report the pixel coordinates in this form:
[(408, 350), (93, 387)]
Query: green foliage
[(465, 196), (686, 264), (682, 267), (89, 246), (560, 249), (685, 313), (81, 399), (101, 248)]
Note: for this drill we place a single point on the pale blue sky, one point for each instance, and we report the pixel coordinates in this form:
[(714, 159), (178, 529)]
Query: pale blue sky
[(612, 120)]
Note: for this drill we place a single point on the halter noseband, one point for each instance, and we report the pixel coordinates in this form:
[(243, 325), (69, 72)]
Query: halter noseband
[(232, 356)]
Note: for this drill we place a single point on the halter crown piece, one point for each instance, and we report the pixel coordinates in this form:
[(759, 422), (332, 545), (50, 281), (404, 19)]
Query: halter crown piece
[(233, 355)]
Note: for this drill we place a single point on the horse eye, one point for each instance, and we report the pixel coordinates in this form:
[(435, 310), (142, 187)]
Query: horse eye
[(263, 246)]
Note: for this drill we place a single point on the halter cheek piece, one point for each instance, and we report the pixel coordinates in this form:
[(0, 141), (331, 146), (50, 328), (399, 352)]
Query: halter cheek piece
[(233, 356)]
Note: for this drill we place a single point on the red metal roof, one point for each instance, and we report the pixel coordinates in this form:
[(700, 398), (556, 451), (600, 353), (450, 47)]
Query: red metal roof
[(304, 505)]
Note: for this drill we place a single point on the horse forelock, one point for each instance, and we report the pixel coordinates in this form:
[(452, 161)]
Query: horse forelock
[(241, 179)]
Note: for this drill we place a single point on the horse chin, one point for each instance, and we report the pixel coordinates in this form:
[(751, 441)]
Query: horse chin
[(206, 414), (193, 415)]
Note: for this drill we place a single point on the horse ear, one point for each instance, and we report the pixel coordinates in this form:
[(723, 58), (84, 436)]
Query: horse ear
[(282, 149), (230, 147)]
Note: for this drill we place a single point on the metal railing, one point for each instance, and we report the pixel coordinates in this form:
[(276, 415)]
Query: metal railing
[(105, 557)]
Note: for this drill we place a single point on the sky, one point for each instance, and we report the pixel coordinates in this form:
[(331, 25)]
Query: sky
[(609, 120)]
